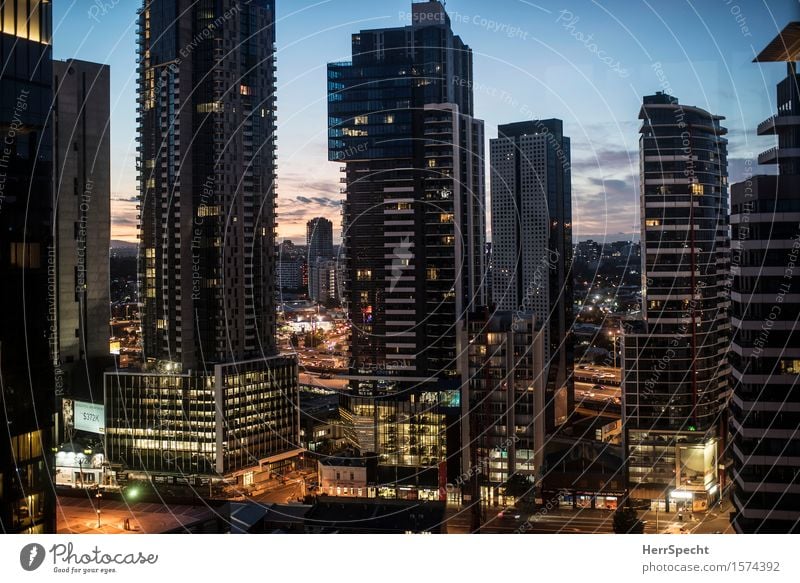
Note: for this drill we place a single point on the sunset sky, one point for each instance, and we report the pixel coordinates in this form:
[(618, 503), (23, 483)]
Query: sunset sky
[(576, 60)]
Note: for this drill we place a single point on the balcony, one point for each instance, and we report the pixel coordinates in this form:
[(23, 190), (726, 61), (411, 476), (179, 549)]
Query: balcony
[(775, 155), (770, 126)]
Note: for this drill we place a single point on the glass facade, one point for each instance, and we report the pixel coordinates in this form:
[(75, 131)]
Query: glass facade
[(27, 335), (203, 424)]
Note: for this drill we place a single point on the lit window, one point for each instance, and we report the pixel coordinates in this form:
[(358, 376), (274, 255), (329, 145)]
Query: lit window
[(26, 255), (361, 120)]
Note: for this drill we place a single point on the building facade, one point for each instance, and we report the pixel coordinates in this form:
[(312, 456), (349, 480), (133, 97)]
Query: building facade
[(319, 239), (30, 382), (323, 280), (765, 351), (82, 137), (675, 372), (213, 386), (531, 189), (401, 126), (504, 400)]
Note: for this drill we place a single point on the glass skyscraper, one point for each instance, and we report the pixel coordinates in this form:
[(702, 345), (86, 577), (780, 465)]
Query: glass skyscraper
[(401, 125)]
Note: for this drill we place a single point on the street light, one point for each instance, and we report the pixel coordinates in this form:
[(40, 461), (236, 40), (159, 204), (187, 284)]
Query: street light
[(99, 496)]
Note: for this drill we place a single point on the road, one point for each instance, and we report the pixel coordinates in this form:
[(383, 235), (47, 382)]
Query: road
[(334, 384), (588, 521)]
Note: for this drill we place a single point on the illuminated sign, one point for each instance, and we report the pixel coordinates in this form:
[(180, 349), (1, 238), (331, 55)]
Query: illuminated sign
[(89, 417)]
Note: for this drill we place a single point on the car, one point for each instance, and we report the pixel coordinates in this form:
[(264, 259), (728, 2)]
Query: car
[(510, 513)]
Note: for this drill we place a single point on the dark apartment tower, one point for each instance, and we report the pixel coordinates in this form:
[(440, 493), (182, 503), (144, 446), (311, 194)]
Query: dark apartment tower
[(505, 357), (206, 160), (82, 137), (29, 381), (319, 239), (675, 383), (531, 185), (401, 124), (765, 352)]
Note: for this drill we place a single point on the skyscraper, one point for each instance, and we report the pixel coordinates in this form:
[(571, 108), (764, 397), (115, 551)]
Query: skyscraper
[(531, 188), (28, 332), (82, 137), (319, 239), (675, 385), (214, 395), (504, 355), (765, 351), (401, 123), (320, 264)]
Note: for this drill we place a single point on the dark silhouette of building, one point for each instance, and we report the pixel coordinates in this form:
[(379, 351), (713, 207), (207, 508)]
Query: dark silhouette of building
[(29, 381), (401, 124), (765, 352), (214, 395), (319, 239)]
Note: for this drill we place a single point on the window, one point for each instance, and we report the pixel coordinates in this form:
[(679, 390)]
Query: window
[(26, 255), (433, 274), (364, 274), (361, 120), (790, 366)]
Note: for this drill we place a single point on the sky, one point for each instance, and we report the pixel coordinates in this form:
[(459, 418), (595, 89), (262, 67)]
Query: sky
[(586, 62)]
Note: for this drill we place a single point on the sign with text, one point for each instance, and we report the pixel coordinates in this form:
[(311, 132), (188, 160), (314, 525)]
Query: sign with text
[(89, 417)]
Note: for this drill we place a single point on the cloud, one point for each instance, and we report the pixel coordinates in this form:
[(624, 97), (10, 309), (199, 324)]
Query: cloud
[(607, 161), (319, 200), (607, 206)]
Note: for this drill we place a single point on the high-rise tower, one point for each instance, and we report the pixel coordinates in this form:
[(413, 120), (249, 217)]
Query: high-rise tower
[(29, 383), (532, 244), (214, 395), (675, 383), (402, 126), (765, 351), (82, 138)]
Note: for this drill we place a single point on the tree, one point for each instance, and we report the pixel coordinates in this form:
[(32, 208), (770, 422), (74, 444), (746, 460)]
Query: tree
[(626, 521)]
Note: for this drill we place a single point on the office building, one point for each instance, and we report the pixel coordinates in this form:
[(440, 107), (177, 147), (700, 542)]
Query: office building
[(30, 382), (532, 243), (82, 136), (214, 396), (319, 239), (675, 373), (401, 127), (765, 298)]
